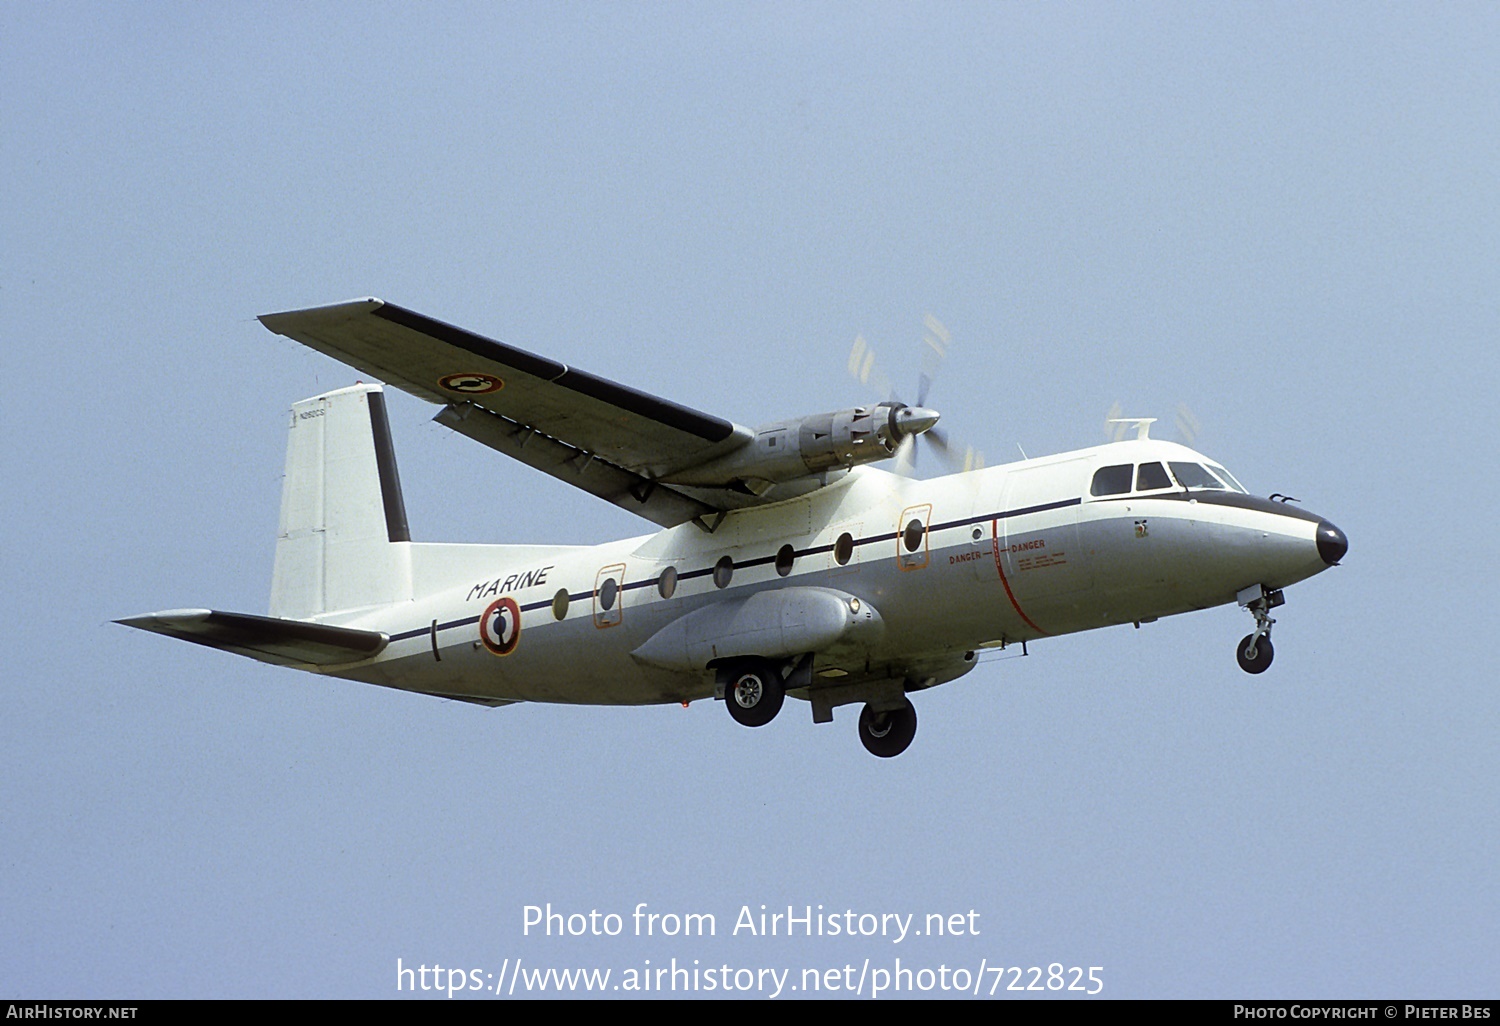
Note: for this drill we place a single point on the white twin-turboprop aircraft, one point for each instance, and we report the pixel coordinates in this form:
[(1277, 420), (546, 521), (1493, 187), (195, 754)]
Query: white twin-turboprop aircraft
[(786, 564)]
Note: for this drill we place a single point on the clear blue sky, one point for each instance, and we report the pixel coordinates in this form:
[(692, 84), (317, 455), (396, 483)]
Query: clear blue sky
[(1283, 215)]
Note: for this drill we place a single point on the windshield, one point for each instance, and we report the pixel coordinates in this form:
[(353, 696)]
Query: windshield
[(1151, 476), (1195, 475), (1228, 478)]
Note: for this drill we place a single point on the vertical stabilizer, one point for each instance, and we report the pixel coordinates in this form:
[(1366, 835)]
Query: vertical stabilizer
[(343, 542)]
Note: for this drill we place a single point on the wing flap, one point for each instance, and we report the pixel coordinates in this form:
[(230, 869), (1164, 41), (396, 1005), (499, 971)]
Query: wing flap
[(660, 504), (267, 638)]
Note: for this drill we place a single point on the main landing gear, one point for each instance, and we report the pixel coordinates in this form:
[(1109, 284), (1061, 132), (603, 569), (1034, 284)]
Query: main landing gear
[(754, 694), (754, 690), (1255, 651), (889, 732)]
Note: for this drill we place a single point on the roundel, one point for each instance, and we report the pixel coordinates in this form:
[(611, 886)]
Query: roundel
[(500, 626), (471, 384)]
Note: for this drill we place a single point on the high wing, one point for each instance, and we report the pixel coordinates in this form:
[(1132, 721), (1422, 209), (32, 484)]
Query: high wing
[(608, 439)]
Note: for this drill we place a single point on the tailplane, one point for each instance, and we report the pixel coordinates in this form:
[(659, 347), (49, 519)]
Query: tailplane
[(279, 642)]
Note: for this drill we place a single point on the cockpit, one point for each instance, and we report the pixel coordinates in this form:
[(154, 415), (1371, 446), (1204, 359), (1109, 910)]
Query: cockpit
[(1160, 475)]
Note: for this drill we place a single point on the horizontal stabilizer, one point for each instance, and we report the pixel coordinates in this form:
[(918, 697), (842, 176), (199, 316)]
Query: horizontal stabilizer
[(267, 638)]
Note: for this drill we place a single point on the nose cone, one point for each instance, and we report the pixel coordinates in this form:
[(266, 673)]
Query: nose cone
[(913, 420), (1331, 543)]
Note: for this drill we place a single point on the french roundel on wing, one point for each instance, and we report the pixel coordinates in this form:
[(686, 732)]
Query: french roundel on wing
[(500, 626), (471, 383)]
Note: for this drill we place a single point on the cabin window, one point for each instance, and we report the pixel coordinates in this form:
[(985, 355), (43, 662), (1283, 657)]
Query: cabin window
[(560, 604), (1113, 480), (912, 536), (784, 559), (666, 584), (723, 572), (843, 549), (608, 592), (1151, 476), (1191, 475)]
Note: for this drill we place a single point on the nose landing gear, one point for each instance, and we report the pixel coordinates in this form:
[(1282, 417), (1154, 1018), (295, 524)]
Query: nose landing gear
[(1255, 651)]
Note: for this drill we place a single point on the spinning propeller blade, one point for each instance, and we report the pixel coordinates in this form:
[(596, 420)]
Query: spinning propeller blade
[(864, 368)]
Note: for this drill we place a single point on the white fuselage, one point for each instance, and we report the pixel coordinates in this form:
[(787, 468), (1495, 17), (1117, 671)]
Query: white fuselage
[(1001, 555)]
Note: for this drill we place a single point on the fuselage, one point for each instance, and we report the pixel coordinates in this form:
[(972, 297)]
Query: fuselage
[(930, 571)]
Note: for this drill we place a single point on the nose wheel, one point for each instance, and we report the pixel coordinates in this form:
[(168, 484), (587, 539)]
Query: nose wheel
[(1255, 651), (1255, 654)]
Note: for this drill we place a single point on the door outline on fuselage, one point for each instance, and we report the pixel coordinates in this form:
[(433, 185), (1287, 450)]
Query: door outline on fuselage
[(909, 557), (612, 612)]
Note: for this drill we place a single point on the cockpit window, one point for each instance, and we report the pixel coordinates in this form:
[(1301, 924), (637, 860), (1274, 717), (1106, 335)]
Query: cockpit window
[(1193, 475), (1112, 480), (1151, 476), (1228, 478)]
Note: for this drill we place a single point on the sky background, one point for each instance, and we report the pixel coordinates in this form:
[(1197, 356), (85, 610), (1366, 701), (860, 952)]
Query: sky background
[(1284, 216)]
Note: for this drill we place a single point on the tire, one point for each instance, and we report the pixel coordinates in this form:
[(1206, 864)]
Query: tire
[(888, 734), (1264, 653), (754, 694)]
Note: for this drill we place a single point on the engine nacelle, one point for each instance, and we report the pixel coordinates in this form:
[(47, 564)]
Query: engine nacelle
[(845, 438), (807, 446)]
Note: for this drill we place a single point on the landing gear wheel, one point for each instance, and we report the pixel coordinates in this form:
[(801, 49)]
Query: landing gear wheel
[(754, 695), (1255, 654), (887, 733)]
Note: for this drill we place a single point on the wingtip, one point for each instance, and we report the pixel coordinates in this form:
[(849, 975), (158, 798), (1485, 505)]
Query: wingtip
[(150, 621), (361, 305)]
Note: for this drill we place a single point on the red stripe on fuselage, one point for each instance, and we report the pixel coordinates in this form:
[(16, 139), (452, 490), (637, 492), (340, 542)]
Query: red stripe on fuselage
[(995, 546)]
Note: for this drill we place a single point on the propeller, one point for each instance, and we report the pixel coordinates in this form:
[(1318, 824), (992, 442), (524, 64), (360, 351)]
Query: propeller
[(918, 420)]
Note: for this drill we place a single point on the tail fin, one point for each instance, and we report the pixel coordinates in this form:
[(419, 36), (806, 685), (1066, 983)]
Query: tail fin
[(343, 542)]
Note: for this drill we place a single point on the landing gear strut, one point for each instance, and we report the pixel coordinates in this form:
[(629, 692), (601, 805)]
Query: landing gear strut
[(888, 732), (1255, 651)]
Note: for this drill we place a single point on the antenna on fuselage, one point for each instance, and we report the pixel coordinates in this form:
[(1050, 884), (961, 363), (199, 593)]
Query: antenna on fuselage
[(1142, 426), (1189, 427)]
